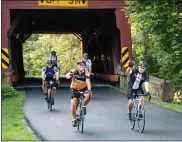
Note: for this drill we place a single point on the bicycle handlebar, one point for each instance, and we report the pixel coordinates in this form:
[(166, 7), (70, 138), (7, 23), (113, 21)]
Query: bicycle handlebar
[(149, 96), (51, 82), (81, 92)]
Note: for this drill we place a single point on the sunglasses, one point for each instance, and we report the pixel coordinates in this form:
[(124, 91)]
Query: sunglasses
[(142, 67), (81, 64)]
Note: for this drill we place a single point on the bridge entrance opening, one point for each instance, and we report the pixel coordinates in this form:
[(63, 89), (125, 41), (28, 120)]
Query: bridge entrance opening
[(37, 50), (95, 28)]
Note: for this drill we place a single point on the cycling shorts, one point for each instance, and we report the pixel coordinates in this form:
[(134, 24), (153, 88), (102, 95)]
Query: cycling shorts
[(74, 93), (130, 91)]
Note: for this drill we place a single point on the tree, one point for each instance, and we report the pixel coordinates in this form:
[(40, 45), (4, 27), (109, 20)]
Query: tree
[(156, 35), (38, 47)]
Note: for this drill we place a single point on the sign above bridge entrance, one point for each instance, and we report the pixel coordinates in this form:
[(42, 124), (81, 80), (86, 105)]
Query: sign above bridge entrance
[(63, 3)]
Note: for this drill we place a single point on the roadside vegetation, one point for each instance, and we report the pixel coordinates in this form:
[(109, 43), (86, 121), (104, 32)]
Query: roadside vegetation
[(38, 47), (156, 38), (171, 106), (13, 127)]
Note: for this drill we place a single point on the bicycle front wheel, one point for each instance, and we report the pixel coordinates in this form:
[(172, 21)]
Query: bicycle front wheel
[(50, 101), (81, 120), (78, 118), (78, 109), (141, 120), (132, 121)]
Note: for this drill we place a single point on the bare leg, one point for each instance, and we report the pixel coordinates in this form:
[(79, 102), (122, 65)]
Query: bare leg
[(87, 98), (73, 107), (130, 105)]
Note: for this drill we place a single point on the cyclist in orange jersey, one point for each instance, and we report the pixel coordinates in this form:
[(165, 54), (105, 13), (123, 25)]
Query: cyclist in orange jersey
[(80, 82)]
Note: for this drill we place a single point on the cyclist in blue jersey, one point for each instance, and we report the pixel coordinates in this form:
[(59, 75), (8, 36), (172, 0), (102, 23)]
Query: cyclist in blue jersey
[(49, 72)]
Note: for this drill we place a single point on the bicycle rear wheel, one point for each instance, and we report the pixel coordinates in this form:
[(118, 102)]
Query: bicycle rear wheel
[(141, 121)]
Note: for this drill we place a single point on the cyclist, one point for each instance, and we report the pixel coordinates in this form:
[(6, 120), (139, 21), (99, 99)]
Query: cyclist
[(54, 59), (49, 72), (80, 82), (88, 63), (137, 78)]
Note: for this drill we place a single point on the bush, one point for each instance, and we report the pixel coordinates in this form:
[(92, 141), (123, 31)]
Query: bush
[(8, 91)]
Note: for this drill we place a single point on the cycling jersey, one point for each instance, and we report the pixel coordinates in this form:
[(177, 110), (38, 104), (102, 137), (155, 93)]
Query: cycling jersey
[(136, 79), (79, 79), (49, 72), (88, 63)]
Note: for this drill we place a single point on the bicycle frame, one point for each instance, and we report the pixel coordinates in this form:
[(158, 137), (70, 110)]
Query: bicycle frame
[(137, 102), (49, 86), (49, 92)]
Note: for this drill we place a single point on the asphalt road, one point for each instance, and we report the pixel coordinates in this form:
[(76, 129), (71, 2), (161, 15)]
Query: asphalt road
[(105, 120)]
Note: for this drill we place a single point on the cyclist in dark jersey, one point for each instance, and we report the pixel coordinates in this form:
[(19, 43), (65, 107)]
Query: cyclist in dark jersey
[(49, 72), (136, 79)]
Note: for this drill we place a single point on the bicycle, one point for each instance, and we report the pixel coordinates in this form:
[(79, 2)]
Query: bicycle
[(79, 112), (49, 100), (137, 113)]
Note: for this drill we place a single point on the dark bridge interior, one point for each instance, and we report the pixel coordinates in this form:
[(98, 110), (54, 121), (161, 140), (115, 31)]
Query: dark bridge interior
[(96, 29)]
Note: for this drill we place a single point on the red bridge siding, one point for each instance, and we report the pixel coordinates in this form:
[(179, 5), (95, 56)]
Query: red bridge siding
[(93, 4), (121, 20), (5, 24), (125, 30)]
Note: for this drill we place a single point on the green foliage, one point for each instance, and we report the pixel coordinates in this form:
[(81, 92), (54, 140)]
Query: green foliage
[(38, 47), (12, 118), (8, 91), (171, 106), (156, 35)]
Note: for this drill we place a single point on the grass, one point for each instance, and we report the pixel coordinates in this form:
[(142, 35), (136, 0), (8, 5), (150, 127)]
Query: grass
[(13, 127), (171, 106)]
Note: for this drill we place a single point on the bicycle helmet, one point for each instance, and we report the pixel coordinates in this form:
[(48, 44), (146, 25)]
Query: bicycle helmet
[(85, 55), (81, 61), (142, 64), (53, 52), (49, 62)]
